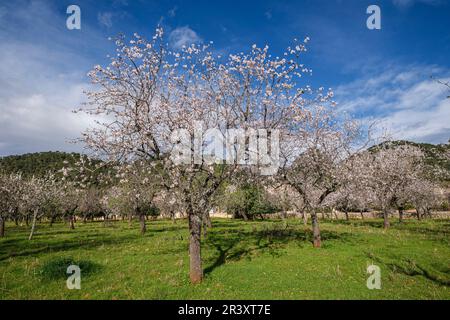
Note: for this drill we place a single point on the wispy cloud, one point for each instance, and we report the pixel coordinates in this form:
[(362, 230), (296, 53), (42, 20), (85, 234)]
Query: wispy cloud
[(406, 102), (183, 36), (41, 84), (408, 3)]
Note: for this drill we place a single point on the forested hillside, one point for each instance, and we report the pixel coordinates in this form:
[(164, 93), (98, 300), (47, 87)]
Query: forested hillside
[(37, 164), (437, 156)]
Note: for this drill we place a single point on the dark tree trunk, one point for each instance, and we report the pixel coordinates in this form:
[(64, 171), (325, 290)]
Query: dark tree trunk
[(206, 224), (2, 227), (386, 223), (362, 215), (317, 243), (400, 214), (33, 225), (16, 221), (195, 258), (71, 222), (419, 217), (27, 221), (346, 215), (52, 220), (142, 224), (244, 216)]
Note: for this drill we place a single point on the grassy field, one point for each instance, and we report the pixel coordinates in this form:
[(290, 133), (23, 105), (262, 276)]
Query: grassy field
[(253, 260)]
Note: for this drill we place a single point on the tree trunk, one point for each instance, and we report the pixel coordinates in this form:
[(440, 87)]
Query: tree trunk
[(400, 215), (419, 217), (130, 220), (244, 216), (195, 259), (362, 215), (305, 218), (33, 225), (386, 223), (317, 243), (16, 221), (346, 215), (142, 224), (2, 227), (71, 222)]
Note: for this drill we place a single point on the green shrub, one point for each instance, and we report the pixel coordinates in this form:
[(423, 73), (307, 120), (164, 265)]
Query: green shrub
[(56, 269)]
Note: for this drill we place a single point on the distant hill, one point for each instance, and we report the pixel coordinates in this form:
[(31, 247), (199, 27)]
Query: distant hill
[(436, 155), (37, 164)]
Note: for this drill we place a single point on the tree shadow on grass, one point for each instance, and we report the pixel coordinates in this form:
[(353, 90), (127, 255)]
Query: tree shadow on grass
[(23, 247), (439, 274), (233, 244), (360, 223), (56, 268)]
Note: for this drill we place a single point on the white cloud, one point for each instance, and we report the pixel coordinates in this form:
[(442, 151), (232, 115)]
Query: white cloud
[(183, 36), (42, 77), (406, 102)]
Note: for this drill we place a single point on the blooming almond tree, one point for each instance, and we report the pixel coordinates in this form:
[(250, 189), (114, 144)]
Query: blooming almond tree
[(391, 170), (139, 185), (163, 106), (11, 188), (38, 195), (314, 158)]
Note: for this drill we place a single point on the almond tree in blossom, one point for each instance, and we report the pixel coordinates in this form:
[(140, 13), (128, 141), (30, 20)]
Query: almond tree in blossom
[(391, 171), (314, 156), (38, 195), (149, 92), (11, 188), (138, 187)]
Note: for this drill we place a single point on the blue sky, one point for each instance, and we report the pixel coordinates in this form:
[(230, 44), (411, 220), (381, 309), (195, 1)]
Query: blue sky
[(379, 75)]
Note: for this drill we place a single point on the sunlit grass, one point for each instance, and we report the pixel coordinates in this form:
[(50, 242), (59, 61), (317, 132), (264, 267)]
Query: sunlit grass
[(242, 260)]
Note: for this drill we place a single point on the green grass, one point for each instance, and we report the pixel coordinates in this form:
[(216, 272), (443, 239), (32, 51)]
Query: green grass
[(253, 260)]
